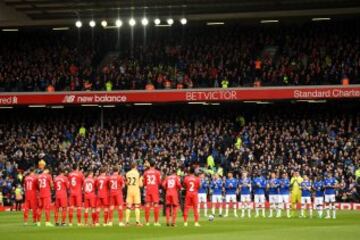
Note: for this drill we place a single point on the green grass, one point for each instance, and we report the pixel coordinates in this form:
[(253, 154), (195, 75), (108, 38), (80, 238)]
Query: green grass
[(346, 226)]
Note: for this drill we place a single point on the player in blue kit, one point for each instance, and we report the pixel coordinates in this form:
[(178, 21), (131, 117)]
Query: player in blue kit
[(216, 187), (245, 197), (231, 186), (319, 195), (259, 186), (284, 199), (306, 187), (202, 193), (330, 184), (273, 189)]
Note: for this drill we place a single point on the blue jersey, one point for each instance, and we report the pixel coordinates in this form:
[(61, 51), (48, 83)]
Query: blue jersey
[(216, 186), (319, 188), (204, 185), (259, 185), (273, 186), (231, 186), (329, 185), (305, 189), (284, 186), (245, 186)]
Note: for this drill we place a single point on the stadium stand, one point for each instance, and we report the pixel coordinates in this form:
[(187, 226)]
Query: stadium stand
[(311, 138), (195, 57)]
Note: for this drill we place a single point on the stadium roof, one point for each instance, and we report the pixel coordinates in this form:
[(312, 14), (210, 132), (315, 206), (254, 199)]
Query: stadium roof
[(55, 12)]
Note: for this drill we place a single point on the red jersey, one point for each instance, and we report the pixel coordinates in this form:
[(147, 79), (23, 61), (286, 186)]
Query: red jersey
[(89, 187), (30, 186), (76, 179), (192, 184), (102, 186), (44, 183), (172, 185), (61, 186), (116, 184), (152, 180)]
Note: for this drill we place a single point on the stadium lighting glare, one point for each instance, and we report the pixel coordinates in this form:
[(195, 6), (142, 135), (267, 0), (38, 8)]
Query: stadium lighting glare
[(104, 23), (157, 21), (118, 23), (183, 21), (144, 21), (321, 19), (170, 21), (269, 21), (10, 30), (214, 23), (132, 22), (60, 28), (92, 23), (142, 104), (37, 106), (163, 25), (78, 24)]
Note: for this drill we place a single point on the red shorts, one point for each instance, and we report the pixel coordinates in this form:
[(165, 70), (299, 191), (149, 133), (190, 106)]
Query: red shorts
[(102, 202), (172, 200), (116, 200), (90, 202), (191, 200), (152, 197), (31, 204), (61, 202), (44, 202), (75, 201)]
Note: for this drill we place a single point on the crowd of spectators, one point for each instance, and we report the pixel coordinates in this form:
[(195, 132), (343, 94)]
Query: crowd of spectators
[(313, 140), (194, 57)]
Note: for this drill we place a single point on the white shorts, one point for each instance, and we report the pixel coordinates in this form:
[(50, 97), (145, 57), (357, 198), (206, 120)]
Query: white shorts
[(305, 200), (216, 198), (245, 198), (202, 197), (273, 198), (283, 198), (319, 201), (329, 198), (259, 198), (230, 198)]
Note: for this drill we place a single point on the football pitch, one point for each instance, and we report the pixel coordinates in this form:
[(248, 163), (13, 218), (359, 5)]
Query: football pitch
[(346, 226)]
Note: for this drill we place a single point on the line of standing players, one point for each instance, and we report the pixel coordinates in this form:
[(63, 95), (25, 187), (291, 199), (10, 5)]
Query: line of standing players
[(74, 191), (105, 192), (277, 189)]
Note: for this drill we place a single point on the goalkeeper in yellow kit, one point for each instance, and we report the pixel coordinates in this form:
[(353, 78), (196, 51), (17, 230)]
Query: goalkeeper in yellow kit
[(133, 196), (295, 183)]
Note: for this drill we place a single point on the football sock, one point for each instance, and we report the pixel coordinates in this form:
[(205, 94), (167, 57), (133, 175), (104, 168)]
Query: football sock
[(156, 213), (120, 215), (127, 215), (71, 212), (137, 215), (174, 215), (78, 215)]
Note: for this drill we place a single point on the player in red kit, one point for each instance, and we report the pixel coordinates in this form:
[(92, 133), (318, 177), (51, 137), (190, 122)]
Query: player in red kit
[(117, 183), (45, 184), (90, 198), (172, 186), (61, 183), (31, 187), (152, 181), (192, 184), (102, 186), (76, 180)]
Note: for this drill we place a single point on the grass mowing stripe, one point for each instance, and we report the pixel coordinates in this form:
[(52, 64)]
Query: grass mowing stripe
[(346, 226)]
